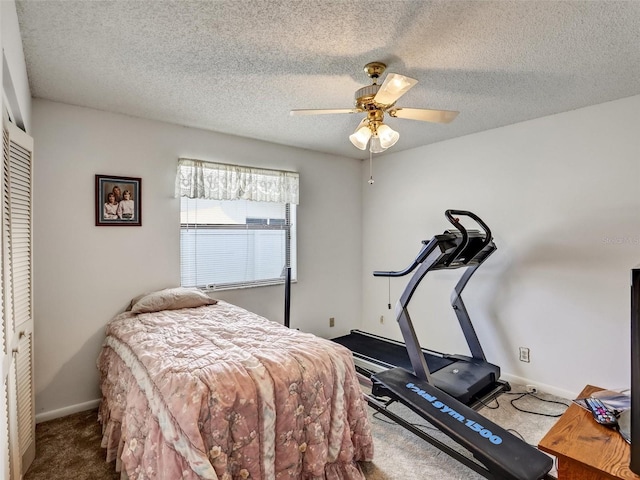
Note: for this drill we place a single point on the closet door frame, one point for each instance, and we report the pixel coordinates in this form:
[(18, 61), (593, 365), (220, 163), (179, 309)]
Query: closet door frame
[(17, 297)]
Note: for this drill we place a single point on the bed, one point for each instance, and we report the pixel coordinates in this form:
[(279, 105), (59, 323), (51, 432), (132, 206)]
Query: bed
[(194, 388)]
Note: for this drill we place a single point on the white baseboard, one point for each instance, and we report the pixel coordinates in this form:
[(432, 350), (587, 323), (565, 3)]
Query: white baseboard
[(542, 387), (63, 412)]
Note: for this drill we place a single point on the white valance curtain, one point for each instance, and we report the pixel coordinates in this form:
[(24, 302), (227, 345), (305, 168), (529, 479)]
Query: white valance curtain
[(220, 181)]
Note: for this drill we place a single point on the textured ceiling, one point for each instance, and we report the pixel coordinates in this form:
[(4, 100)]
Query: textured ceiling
[(239, 66)]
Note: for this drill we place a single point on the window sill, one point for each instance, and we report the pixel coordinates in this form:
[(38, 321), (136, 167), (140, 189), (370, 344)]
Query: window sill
[(224, 287)]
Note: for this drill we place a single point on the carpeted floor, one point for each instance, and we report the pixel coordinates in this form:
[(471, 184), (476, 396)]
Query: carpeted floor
[(400, 455), (69, 448)]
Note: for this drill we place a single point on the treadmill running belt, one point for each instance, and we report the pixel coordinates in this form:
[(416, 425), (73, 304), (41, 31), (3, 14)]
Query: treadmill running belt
[(387, 351)]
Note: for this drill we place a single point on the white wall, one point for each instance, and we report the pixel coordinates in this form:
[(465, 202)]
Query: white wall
[(562, 196), (86, 274)]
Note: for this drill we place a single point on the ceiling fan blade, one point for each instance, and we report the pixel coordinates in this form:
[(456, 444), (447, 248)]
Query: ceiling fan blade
[(323, 111), (393, 87), (424, 115)]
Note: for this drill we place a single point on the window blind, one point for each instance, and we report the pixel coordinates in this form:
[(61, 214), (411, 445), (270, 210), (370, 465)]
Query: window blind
[(237, 225)]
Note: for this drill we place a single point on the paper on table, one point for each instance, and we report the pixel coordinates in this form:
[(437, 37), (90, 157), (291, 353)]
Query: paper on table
[(615, 401)]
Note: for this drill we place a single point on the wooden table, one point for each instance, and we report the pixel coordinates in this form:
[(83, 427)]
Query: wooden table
[(585, 449)]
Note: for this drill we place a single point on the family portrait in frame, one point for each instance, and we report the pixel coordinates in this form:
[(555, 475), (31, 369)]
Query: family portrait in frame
[(118, 201)]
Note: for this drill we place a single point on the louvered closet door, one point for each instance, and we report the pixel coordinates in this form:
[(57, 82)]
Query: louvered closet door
[(17, 296), (8, 366)]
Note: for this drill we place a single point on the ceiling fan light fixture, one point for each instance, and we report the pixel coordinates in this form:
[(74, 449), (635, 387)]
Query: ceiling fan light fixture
[(361, 137), (387, 136), (375, 146)]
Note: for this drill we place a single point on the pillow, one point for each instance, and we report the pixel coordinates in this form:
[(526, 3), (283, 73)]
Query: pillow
[(171, 299)]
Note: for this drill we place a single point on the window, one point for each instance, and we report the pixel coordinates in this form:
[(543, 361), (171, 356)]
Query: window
[(237, 225)]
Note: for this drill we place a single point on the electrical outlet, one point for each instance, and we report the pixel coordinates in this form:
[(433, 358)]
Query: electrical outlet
[(532, 389), (381, 318), (332, 322), (524, 354)]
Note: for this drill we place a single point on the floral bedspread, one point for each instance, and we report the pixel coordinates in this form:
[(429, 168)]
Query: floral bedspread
[(217, 392)]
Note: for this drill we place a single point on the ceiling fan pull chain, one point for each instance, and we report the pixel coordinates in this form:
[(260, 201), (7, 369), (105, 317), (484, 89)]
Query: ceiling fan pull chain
[(370, 167)]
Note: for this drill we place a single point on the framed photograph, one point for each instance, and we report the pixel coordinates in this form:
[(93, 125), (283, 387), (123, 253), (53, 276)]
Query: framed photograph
[(118, 201)]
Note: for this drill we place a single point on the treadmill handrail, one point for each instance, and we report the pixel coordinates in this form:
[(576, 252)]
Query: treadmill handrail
[(424, 252), (463, 242), (430, 245), (465, 236)]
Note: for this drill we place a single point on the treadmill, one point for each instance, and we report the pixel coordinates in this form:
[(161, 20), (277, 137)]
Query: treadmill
[(469, 379), (446, 390)]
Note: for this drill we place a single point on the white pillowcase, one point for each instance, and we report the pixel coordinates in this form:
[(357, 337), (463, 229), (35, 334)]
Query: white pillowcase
[(171, 299)]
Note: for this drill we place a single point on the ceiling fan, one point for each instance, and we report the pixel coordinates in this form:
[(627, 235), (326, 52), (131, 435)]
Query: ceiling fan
[(376, 100)]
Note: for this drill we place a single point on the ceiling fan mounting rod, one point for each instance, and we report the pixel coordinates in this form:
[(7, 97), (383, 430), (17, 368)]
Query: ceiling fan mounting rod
[(375, 118), (374, 70)]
